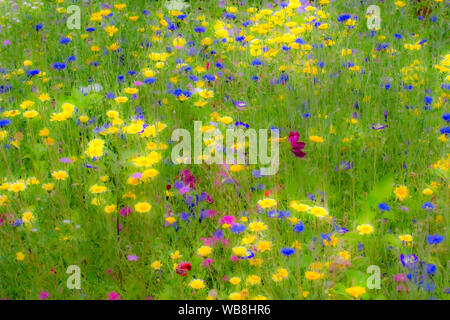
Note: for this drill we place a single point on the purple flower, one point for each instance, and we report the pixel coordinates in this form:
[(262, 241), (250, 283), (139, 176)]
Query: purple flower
[(132, 257)]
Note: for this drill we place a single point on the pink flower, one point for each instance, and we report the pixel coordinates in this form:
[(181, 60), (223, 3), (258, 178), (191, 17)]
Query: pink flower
[(296, 146), (114, 296), (133, 258), (43, 295), (207, 263), (125, 211), (6, 43), (227, 220)]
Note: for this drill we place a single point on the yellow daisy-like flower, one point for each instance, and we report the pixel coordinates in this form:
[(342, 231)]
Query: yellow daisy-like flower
[(204, 251), (318, 212), (406, 237), (257, 226), (197, 284), (156, 265), (142, 207), (121, 99), (401, 192), (27, 216), (20, 256), (97, 189), (365, 229), (17, 187), (355, 292), (267, 203), (313, 275), (239, 251), (60, 175), (30, 114)]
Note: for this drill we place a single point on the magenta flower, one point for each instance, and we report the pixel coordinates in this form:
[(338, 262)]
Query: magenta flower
[(125, 211), (227, 220), (43, 295), (296, 146), (114, 296)]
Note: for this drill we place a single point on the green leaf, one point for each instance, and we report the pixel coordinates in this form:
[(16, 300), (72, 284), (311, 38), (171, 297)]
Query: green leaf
[(381, 191)]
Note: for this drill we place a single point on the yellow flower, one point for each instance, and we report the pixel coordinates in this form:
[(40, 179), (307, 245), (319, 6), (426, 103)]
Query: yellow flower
[(253, 280), (355, 292), (313, 275), (142, 207), (235, 280), (235, 296), (239, 251), (48, 186), (427, 191), (20, 256), (204, 251), (170, 220), (345, 255), (27, 216), (400, 4), (365, 229), (406, 237), (17, 187), (179, 43), (401, 192), (267, 203), (257, 226), (316, 139), (60, 175), (30, 114), (264, 246), (110, 209), (121, 99), (156, 265), (197, 284), (319, 212), (97, 189), (175, 255)]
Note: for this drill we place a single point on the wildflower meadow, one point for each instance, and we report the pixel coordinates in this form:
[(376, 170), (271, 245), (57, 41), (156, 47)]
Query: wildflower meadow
[(224, 150)]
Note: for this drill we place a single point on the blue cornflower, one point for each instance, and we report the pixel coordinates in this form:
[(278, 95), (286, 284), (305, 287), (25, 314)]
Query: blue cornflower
[(384, 207), (299, 227), (287, 251), (199, 29), (445, 130), (256, 62), (446, 117), (435, 239), (343, 17), (39, 26), (64, 40), (431, 269), (59, 65), (428, 100), (238, 228), (149, 80), (32, 73), (428, 206), (4, 123)]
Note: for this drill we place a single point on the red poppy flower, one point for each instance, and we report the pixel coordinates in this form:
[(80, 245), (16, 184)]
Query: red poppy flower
[(183, 268)]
